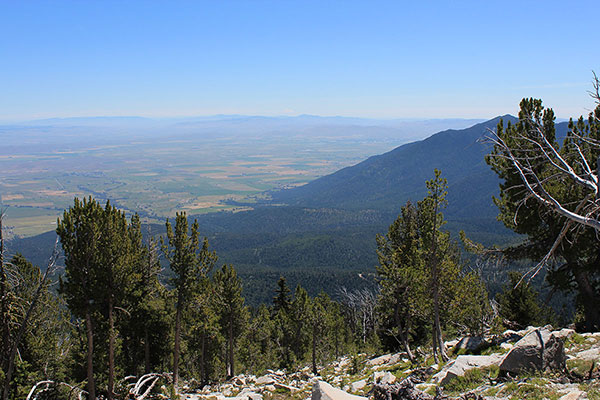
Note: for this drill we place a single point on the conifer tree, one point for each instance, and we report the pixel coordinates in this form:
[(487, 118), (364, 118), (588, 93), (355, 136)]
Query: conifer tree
[(190, 264), (439, 250), (258, 350), (204, 325), (80, 235), (282, 299), (547, 193), (402, 275), (233, 314), (299, 323)]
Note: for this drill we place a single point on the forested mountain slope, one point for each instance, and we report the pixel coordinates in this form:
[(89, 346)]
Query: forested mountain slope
[(386, 181)]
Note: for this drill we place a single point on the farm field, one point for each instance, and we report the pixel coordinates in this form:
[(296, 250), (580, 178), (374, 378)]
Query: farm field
[(157, 168), (156, 178)]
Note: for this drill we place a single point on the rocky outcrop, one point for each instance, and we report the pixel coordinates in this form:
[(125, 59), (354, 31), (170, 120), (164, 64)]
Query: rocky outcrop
[(462, 364), (324, 391), (393, 377), (538, 350), (404, 390), (471, 344)]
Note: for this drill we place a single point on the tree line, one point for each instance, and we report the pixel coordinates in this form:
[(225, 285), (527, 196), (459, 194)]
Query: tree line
[(115, 313)]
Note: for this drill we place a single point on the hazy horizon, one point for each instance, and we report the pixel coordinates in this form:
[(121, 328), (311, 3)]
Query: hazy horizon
[(378, 59)]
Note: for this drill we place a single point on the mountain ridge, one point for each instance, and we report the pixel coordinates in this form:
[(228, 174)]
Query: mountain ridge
[(387, 181)]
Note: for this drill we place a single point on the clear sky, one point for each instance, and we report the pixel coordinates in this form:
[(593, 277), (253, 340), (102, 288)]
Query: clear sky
[(430, 59)]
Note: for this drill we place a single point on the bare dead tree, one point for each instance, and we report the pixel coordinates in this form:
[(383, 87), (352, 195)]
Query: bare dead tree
[(14, 343), (532, 148), (46, 385), (361, 309)]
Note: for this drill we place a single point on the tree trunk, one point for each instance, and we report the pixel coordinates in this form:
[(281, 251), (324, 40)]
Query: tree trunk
[(91, 386), (111, 348), (437, 326), (202, 358), (589, 299), (437, 329), (403, 332), (230, 352), (337, 342), (314, 351), (177, 339), (146, 351)]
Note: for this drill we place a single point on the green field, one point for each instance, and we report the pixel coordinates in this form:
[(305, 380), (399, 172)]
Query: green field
[(158, 178)]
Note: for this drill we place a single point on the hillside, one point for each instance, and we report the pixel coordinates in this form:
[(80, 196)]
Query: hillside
[(387, 181)]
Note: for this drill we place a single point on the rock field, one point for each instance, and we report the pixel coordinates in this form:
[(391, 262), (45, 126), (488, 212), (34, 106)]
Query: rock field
[(535, 363)]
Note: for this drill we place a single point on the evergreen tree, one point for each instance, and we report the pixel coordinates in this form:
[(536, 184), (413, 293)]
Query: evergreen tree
[(519, 302), (439, 257), (37, 329), (204, 327), (299, 326), (190, 264), (80, 234), (533, 141), (144, 327), (282, 299), (402, 276), (232, 312), (258, 350), (421, 276)]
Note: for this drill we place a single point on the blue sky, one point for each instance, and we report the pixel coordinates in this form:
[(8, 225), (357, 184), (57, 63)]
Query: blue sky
[(395, 59)]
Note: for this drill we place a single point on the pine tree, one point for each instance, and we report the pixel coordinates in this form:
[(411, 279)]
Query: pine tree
[(282, 299), (144, 327), (233, 314), (439, 255), (258, 351), (299, 323), (80, 235), (556, 171), (402, 275), (190, 264), (519, 302), (204, 326)]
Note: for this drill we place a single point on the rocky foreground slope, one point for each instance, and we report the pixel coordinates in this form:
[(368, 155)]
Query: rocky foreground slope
[(535, 363)]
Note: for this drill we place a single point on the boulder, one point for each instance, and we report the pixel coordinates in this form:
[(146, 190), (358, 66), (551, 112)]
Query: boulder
[(471, 343), (358, 385), (239, 380), (404, 390), (248, 394), (574, 395), (324, 391), (288, 388), (506, 346), (395, 359), (384, 359), (511, 336), (592, 354), (388, 378), (462, 364), (377, 375), (538, 350), (265, 380), (564, 333)]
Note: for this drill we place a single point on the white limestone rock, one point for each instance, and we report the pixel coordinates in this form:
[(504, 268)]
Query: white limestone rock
[(324, 391)]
